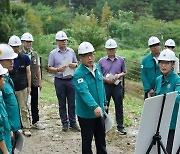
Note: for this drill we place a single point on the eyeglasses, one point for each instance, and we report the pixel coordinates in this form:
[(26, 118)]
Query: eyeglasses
[(87, 55), (62, 40), (155, 45)]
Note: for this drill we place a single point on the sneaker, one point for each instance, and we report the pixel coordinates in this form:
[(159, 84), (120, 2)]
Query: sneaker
[(38, 125), (26, 132), (75, 127), (65, 127), (122, 131)]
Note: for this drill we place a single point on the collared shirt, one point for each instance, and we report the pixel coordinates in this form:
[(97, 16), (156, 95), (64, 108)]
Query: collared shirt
[(176, 66), (30, 53), (17, 61), (114, 67), (92, 70), (57, 56)]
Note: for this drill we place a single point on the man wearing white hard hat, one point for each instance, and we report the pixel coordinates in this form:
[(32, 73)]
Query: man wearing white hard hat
[(169, 81), (5, 129), (62, 62), (21, 76), (7, 56), (90, 100), (170, 44), (150, 67), (113, 69), (36, 82)]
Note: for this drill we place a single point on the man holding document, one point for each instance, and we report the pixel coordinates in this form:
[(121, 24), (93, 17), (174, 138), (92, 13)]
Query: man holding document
[(62, 61), (113, 69)]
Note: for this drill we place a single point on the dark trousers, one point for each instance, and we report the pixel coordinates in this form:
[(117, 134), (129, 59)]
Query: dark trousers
[(170, 141), (115, 91), (34, 104), (65, 92), (89, 128)]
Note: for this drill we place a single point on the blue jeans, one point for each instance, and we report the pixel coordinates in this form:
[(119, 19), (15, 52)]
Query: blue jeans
[(66, 93)]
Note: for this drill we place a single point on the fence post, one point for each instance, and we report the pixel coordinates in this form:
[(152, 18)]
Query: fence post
[(123, 81), (40, 60)]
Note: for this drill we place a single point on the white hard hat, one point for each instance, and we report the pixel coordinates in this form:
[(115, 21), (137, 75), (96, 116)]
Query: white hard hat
[(7, 52), (170, 43), (14, 41), (110, 44), (167, 55), (3, 70), (27, 37), (61, 36), (85, 47), (153, 40)]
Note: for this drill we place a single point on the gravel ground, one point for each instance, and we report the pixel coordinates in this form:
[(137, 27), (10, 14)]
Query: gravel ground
[(53, 140)]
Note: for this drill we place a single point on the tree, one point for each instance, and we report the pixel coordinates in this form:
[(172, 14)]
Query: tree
[(166, 9), (85, 28), (5, 6), (106, 15), (47, 2), (139, 7), (54, 19)]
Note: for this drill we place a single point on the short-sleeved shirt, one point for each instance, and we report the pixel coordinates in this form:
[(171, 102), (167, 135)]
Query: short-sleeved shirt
[(112, 67), (57, 56), (19, 72), (17, 62)]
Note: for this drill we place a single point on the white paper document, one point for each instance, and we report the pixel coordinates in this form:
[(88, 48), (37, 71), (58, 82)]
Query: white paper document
[(108, 122), (112, 78), (20, 141), (68, 70)]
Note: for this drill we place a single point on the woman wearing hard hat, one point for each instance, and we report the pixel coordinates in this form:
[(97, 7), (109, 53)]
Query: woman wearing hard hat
[(7, 55), (90, 100), (5, 129), (169, 81)]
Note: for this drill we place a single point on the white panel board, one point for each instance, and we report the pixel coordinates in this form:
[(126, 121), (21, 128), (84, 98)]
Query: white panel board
[(149, 122), (176, 143)]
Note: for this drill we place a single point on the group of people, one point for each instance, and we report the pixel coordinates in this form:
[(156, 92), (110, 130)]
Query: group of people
[(159, 73), (83, 88), (86, 89), (20, 77)]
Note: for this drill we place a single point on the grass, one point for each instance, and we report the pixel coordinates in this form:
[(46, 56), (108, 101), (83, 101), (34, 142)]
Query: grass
[(132, 105), (48, 94)]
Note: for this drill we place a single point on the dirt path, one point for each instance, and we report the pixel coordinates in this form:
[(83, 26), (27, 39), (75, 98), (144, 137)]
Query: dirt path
[(54, 141)]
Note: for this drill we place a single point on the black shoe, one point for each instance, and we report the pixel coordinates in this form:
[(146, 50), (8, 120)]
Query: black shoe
[(75, 127), (65, 127), (122, 131)]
